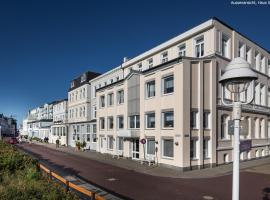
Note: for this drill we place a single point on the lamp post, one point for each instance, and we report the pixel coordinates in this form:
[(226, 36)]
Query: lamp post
[(237, 78)]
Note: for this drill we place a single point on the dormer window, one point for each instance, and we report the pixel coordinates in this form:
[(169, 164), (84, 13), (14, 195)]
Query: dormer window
[(140, 67), (182, 50), (83, 77), (72, 84), (164, 57), (150, 62)]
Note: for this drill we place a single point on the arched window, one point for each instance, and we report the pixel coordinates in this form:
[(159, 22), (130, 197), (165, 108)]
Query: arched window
[(242, 156), (225, 158), (257, 153), (249, 155), (263, 153)]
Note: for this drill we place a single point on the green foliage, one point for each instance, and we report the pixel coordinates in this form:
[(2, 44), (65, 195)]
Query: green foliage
[(20, 178)]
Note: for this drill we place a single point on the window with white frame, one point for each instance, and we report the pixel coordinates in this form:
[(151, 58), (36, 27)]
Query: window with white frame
[(88, 128), (225, 46), (120, 143), (193, 148), (199, 46), (206, 146), (83, 77), (94, 126), (167, 148), (168, 119), (168, 84), (206, 120), (102, 101), (248, 54), (110, 122), (88, 137), (95, 111), (150, 146), (194, 119), (102, 123), (110, 142), (224, 127), (110, 99), (150, 120), (134, 121), (182, 50), (139, 67), (241, 50), (120, 122), (120, 97), (150, 62), (164, 57), (72, 84), (257, 60), (268, 63), (150, 89)]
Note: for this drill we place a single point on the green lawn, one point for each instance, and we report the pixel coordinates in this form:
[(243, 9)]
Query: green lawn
[(21, 180)]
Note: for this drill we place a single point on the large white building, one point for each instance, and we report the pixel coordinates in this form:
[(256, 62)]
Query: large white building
[(82, 125), (170, 98), (59, 128)]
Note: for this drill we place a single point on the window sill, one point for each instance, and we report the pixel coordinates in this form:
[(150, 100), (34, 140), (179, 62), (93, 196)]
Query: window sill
[(167, 128), (119, 104), (194, 128), (150, 129), (167, 158), (149, 98), (194, 159), (207, 129), (167, 94)]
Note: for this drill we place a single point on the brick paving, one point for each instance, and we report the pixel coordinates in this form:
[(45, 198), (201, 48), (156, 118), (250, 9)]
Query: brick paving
[(138, 182)]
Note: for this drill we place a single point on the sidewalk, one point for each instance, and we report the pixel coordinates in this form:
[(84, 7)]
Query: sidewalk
[(163, 171)]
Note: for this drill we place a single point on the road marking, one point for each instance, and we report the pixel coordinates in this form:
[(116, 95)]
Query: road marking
[(208, 197), (111, 179)]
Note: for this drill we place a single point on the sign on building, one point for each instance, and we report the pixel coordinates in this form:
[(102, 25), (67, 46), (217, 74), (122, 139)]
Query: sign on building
[(245, 145), (243, 127)]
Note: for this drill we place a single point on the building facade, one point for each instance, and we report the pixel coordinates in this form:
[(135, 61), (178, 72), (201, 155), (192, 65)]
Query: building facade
[(59, 129), (8, 126), (167, 106), (82, 126)]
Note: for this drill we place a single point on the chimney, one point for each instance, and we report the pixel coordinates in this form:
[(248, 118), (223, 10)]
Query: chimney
[(125, 59)]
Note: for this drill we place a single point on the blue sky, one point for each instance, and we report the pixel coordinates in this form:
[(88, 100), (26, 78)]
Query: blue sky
[(46, 43)]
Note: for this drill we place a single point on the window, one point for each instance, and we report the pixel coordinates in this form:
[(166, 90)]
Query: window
[(94, 128), (120, 122), (120, 97), (78, 129), (83, 92), (164, 57), (193, 119), (150, 146), (225, 48), (193, 149), (257, 60), (102, 101), (268, 67), (88, 128), (95, 111), (134, 121), (199, 47), (206, 148), (150, 89), (139, 67), (83, 77), (206, 120), (248, 54), (241, 50), (182, 50), (102, 123), (150, 62), (110, 99), (168, 85), (88, 137), (167, 148), (150, 120), (223, 134), (168, 119), (78, 137), (120, 143), (110, 122), (110, 142), (72, 84)]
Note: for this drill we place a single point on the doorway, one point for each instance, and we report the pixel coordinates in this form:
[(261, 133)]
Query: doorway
[(135, 149)]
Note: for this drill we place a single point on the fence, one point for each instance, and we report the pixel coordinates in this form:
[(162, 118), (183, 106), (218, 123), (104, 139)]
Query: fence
[(90, 194)]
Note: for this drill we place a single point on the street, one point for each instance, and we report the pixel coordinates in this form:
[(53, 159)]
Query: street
[(134, 185)]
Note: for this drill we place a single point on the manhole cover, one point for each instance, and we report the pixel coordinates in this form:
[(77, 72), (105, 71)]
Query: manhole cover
[(111, 179), (208, 197)]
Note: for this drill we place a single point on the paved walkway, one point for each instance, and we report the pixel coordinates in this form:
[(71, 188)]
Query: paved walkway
[(131, 184), (160, 170)]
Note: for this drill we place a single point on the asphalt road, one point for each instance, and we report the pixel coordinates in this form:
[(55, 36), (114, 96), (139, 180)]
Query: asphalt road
[(134, 185)]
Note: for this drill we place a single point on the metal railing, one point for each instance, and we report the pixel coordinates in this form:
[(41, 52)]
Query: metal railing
[(92, 195)]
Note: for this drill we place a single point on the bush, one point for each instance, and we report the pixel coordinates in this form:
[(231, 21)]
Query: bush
[(21, 180)]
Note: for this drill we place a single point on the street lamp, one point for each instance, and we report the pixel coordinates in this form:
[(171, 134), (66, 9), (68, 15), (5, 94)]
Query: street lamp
[(237, 78)]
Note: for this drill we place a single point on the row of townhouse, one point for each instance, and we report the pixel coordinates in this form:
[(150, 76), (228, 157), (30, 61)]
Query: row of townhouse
[(164, 105), (8, 126)]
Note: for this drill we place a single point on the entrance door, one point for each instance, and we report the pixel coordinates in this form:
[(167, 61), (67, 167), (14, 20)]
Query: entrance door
[(135, 149)]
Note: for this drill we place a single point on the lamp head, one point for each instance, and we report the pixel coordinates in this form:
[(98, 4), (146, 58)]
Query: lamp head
[(238, 75)]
